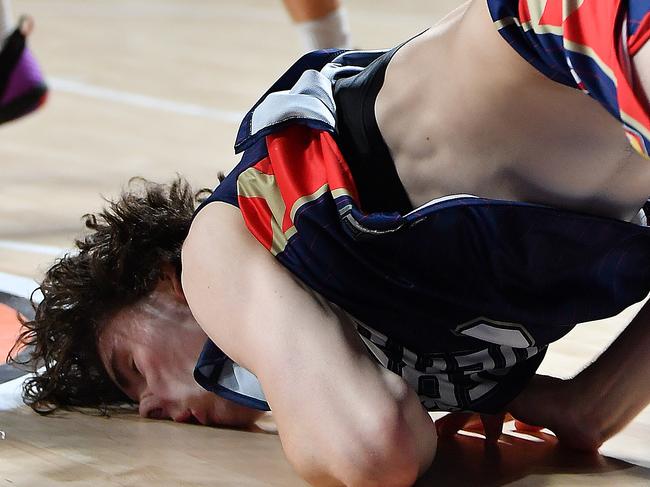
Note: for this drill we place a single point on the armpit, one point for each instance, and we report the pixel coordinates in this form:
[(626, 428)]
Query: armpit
[(588, 45)]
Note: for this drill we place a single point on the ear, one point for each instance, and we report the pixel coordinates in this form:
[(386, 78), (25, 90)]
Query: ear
[(169, 279)]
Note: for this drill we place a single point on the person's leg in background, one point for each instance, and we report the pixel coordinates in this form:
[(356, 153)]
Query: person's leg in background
[(22, 86), (321, 24), (6, 19)]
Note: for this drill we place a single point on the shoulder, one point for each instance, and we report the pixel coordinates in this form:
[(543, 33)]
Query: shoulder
[(213, 233), (216, 220), (214, 250)]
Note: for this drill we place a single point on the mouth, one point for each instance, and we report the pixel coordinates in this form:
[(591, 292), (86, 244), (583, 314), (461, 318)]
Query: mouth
[(192, 416), (185, 417)]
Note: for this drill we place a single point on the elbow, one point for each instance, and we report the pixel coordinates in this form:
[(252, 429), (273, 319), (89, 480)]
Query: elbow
[(383, 454), (363, 469), (390, 448), (390, 451), (390, 461)]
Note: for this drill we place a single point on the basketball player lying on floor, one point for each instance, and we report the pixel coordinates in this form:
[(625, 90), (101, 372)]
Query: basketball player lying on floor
[(406, 231)]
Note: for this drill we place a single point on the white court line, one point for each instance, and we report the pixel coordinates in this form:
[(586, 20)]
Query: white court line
[(144, 101), (11, 397), (32, 248), (18, 286)]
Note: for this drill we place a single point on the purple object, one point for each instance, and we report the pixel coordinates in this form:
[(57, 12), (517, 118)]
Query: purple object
[(25, 77)]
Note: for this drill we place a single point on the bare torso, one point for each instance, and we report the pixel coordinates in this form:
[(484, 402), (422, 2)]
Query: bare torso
[(462, 112)]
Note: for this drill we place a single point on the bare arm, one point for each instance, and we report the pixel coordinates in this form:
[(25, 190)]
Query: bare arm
[(616, 387), (609, 393), (342, 420), (599, 401)]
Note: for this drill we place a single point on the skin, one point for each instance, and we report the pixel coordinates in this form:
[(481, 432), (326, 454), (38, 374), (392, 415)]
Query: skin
[(571, 154), (342, 419), (307, 10), (554, 146), (153, 347)]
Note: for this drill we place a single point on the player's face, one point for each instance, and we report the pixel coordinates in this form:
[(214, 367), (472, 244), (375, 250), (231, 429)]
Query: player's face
[(149, 350)]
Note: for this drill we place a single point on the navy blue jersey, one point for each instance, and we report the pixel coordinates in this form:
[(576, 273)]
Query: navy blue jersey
[(460, 296)]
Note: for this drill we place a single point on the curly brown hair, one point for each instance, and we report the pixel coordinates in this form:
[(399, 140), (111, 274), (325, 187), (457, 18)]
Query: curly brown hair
[(116, 263)]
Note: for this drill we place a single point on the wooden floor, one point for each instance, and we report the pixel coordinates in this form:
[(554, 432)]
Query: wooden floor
[(154, 88)]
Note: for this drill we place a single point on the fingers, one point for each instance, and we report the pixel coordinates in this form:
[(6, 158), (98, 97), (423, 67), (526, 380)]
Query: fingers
[(450, 424), (492, 426), (521, 426)]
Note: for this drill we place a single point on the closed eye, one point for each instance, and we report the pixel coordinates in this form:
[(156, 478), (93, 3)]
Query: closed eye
[(134, 366), (120, 378)]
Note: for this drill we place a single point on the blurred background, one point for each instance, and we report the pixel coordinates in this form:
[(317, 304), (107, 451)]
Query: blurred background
[(148, 88)]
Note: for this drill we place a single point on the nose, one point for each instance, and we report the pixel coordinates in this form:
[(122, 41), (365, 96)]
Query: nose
[(155, 413), (150, 411), (152, 408), (162, 397)]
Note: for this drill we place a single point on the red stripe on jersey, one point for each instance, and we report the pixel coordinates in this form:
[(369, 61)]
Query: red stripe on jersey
[(597, 24), (264, 166), (552, 14), (258, 218), (594, 24), (524, 12), (304, 160), (301, 161), (634, 136), (640, 37)]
